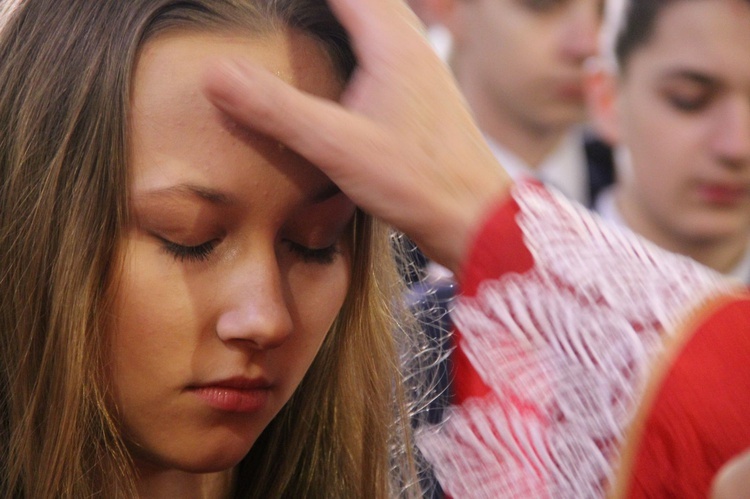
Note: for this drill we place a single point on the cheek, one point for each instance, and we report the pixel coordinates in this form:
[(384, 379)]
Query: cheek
[(318, 298), (659, 153), (319, 293), (654, 176), (151, 321)]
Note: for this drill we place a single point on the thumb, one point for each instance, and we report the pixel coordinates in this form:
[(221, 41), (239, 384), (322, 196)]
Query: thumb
[(733, 479)]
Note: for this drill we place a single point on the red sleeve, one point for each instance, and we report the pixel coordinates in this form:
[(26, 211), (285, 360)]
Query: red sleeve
[(499, 248), (565, 317), (699, 417)]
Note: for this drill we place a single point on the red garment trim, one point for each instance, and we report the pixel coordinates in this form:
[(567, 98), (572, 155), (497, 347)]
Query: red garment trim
[(498, 249), (699, 419)]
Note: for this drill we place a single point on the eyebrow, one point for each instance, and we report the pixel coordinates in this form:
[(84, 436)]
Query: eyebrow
[(213, 196), (689, 74), (217, 197)]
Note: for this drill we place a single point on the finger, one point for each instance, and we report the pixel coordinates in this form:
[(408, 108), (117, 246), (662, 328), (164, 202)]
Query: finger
[(733, 479), (318, 129), (370, 17), (367, 20)]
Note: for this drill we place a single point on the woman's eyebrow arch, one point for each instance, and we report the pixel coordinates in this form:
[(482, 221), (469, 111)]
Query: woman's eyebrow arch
[(211, 195), (217, 197)]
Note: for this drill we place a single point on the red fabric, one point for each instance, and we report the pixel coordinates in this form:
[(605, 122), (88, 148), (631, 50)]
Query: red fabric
[(499, 248), (700, 417)]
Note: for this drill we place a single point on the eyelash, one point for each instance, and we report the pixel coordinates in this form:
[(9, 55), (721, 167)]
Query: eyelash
[(181, 253), (543, 5), (689, 105), (201, 252), (322, 256)]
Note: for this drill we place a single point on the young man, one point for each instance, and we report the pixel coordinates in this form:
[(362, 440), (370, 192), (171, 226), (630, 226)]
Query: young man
[(673, 96), (520, 65)]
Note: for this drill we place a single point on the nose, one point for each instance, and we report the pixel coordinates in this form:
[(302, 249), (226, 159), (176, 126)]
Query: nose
[(731, 131), (256, 308), (580, 37)]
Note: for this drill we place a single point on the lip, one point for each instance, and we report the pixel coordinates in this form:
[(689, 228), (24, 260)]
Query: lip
[(236, 394), (723, 194)]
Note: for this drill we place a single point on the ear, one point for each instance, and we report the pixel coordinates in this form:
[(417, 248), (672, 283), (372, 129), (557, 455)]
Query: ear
[(602, 101), (444, 12)]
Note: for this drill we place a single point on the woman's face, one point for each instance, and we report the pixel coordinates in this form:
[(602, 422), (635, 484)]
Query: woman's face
[(683, 108), (236, 261)]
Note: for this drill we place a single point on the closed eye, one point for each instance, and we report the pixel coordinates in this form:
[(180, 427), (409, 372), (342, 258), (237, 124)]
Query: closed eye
[(322, 256), (183, 253), (690, 102)]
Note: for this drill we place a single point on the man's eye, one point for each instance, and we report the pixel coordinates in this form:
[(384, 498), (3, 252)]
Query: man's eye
[(542, 5), (688, 104), (689, 100), (322, 256), (182, 253)]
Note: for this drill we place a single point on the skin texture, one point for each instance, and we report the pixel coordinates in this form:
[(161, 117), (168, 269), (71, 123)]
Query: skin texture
[(422, 167), (401, 143), (236, 264), (733, 479), (681, 106), (520, 64)]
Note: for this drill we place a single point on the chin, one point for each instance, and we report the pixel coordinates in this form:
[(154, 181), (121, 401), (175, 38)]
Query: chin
[(202, 455), (714, 229), (564, 115), (218, 455), (212, 463)]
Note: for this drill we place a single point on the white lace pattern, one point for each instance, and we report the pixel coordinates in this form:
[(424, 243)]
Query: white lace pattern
[(566, 348)]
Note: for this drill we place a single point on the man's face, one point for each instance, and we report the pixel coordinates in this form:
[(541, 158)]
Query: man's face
[(683, 112), (526, 57)]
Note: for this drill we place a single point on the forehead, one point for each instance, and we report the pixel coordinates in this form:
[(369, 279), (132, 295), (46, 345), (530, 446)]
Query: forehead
[(171, 66), (175, 131), (710, 35)]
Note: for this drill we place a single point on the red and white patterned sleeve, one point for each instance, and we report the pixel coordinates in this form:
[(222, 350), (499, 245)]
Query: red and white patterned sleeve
[(560, 321)]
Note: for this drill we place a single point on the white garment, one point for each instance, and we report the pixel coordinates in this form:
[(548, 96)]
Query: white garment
[(607, 207), (566, 348), (564, 169)]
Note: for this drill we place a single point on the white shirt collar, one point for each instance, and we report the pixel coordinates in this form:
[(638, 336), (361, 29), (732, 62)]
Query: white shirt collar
[(564, 169)]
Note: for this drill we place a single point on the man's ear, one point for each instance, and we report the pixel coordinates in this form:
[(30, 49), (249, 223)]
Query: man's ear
[(447, 13), (602, 101)]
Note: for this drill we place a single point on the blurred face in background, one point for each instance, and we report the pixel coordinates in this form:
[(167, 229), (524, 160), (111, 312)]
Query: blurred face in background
[(681, 108), (520, 62)]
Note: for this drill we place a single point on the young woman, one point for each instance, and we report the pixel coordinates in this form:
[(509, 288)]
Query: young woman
[(676, 104), (598, 363), (188, 308)]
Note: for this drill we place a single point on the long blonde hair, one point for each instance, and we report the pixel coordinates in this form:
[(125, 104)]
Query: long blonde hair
[(65, 72)]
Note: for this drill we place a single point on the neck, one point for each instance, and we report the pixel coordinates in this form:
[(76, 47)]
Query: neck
[(530, 146), (531, 141), (722, 257), (154, 484)]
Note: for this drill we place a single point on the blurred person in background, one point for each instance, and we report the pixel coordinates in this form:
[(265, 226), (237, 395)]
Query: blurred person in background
[(609, 365), (674, 94), (520, 65)]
